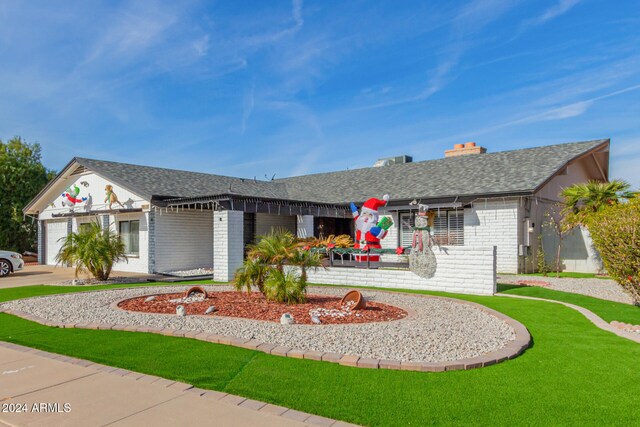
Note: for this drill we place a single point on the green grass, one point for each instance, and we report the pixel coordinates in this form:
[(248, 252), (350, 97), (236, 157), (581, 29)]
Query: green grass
[(608, 310), (574, 373), (563, 274)]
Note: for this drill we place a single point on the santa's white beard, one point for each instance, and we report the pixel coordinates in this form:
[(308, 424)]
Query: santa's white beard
[(365, 226)]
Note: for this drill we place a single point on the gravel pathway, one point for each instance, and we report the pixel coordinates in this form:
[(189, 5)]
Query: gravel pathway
[(598, 288), (436, 330)]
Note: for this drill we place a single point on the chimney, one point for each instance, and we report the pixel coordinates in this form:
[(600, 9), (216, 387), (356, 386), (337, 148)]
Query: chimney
[(465, 149)]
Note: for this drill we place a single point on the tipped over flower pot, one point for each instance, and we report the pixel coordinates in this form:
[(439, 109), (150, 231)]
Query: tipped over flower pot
[(354, 301)]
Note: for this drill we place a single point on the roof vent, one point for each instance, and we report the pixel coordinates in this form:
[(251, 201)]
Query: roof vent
[(393, 160), (465, 149)]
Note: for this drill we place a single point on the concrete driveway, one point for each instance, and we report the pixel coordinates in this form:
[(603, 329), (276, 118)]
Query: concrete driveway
[(48, 275)]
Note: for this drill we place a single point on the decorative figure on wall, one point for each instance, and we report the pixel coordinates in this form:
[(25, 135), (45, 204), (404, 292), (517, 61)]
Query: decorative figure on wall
[(111, 197), (422, 260), (369, 230), (85, 184), (89, 203), (70, 197)]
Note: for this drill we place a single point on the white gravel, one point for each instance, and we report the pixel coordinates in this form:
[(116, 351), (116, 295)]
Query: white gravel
[(598, 288), (435, 330)]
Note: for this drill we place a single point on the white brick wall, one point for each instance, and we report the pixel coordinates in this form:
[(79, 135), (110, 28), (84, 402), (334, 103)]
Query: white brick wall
[(265, 222), (495, 223), (228, 247), (461, 269), (184, 240), (305, 226)]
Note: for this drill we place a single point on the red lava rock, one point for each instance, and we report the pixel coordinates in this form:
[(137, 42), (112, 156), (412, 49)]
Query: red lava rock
[(193, 289), (540, 283), (255, 306)]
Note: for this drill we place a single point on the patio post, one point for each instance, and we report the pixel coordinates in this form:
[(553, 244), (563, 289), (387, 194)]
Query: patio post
[(228, 244)]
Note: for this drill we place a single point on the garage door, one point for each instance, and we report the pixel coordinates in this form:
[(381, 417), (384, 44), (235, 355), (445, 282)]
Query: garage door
[(55, 231)]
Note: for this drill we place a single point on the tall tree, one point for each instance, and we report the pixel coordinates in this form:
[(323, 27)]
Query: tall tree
[(22, 176)]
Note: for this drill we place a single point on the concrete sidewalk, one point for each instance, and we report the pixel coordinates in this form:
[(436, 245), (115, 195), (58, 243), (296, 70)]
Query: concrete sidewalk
[(44, 389)]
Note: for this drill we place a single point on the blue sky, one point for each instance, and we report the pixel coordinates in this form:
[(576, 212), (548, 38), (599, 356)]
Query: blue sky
[(260, 88)]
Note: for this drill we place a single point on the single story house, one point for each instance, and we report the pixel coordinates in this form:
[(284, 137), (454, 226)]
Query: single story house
[(178, 220)]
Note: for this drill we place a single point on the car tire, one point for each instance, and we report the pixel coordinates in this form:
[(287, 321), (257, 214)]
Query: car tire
[(5, 267)]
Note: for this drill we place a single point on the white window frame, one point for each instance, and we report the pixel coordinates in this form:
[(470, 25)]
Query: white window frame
[(129, 244)]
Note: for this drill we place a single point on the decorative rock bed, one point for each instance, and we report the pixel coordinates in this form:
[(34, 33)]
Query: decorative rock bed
[(435, 333), (328, 309)]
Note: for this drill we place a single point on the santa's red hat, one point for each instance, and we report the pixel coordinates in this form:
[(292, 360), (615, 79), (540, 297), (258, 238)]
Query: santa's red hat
[(373, 204)]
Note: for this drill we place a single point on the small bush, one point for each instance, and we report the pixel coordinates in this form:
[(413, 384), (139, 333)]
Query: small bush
[(541, 262), (285, 287), (264, 268), (615, 230), (93, 249), (253, 272)]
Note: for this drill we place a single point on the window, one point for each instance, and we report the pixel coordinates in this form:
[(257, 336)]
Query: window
[(130, 235), (448, 228)]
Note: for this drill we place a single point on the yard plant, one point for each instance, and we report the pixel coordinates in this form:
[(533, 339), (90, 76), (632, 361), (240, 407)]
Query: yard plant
[(265, 269), (615, 230), (611, 213), (92, 249)]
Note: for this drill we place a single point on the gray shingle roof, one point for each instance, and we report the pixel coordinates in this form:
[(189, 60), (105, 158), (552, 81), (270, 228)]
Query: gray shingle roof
[(507, 172), (148, 181)]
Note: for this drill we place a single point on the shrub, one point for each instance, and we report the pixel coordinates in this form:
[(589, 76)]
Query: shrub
[(264, 268), (615, 230), (541, 261), (285, 286), (92, 249), (253, 272)]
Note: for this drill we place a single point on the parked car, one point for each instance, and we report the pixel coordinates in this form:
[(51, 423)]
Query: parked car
[(10, 262)]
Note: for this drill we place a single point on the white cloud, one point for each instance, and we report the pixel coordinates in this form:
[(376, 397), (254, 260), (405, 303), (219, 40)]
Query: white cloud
[(560, 8)]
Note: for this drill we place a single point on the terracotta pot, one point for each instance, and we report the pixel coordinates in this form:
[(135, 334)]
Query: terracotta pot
[(355, 296), (196, 289)]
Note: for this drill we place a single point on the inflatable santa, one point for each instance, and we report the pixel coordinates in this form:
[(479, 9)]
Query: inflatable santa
[(369, 230)]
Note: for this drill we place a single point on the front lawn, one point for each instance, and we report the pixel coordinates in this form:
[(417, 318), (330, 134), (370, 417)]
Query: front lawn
[(608, 310), (574, 373)]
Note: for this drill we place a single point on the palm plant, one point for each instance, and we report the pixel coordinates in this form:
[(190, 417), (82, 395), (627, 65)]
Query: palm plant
[(265, 268), (273, 248), (594, 195), (285, 286), (253, 272), (305, 260), (92, 249)]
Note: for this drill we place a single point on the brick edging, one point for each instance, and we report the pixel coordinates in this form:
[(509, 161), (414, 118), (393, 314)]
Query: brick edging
[(231, 399), (512, 350)]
